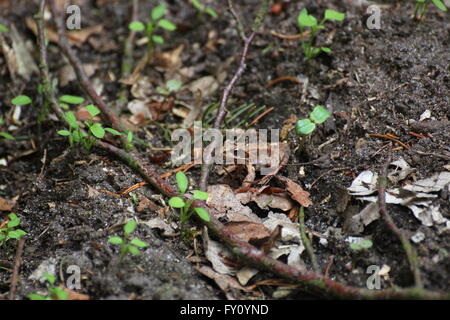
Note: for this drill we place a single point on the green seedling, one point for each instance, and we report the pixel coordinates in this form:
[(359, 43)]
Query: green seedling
[(185, 206), (361, 245), (422, 5), (170, 87), (130, 138), (3, 28), (21, 100), (10, 231), (307, 22), (156, 21), (54, 292), (126, 245), (6, 135), (202, 9), (95, 129), (317, 116)]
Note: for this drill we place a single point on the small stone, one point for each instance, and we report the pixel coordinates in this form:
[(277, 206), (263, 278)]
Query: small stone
[(418, 237)]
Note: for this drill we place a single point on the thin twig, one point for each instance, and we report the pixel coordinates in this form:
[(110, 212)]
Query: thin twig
[(128, 48), (223, 108), (240, 26), (306, 242), (409, 250), (17, 263), (107, 115)]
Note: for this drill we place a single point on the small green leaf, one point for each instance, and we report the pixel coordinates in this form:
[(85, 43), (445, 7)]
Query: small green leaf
[(130, 227), (60, 294), (115, 240), (76, 136), (3, 28), (136, 26), (14, 221), (97, 130), (319, 114), (50, 278), (71, 99), (130, 137), (93, 110), (64, 106), (71, 119), (334, 15), (202, 213), (16, 234), (112, 131), (174, 85), (306, 20), (133, 250), (440, 5), (6, 135), (200, 195), (326, 50), (198, 5), (211, 12), (166, 24), (304, 126), (158, 39), (35, 296), (139, 243), (361, 244), (158, 11), (64, 133), (176, 202), (21, 100), (182, 181)]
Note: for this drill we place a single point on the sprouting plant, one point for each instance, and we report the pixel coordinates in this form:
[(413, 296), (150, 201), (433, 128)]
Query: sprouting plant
[(3, 28), (21, 100), (9, 231), (317, 116), (185, 206), (422, 5), (130, 138), (307, 22), (361, 244), (156, 21), (170, 87), (202, 9), (126, 245), (6, 135), (54, 292), (95, 129), (134, 199)]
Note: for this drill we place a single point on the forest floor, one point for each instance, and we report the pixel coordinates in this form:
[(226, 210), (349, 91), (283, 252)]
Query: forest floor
[(388, 93)]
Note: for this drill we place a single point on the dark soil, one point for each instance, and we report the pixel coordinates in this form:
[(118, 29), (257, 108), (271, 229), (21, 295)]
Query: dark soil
[(375, 81)]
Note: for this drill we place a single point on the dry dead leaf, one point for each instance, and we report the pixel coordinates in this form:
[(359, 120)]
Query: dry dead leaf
[(297, 192), (169, 60), (146, 203), (206, 86), (222, 198), (214, 251), (26, 65), (7, 204), (224, 282), (73, 295), (158, 223), (248, 231), (266, 201), (245, 274), (76, 37)]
